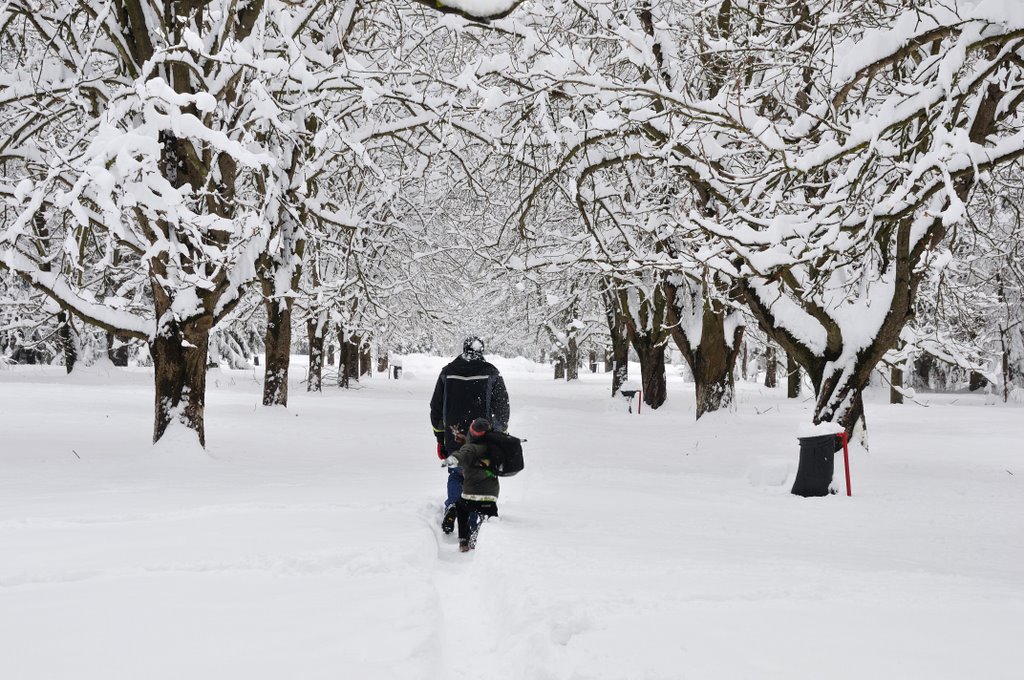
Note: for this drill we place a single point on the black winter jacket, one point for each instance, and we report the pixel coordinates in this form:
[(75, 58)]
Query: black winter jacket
[(465, 391)]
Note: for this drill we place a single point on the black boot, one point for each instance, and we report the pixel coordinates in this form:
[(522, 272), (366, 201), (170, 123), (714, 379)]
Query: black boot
[(448, 523)]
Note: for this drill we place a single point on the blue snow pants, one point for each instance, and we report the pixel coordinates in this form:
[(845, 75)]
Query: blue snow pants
[(455, 480)]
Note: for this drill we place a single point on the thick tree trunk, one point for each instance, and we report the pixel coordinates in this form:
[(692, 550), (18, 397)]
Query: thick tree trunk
[(840, 401), (66, 339), (713, 360), (743, 363), (179, 368), (713, 371), (771, 367), (572, 360), (593, 361), (560, 368), (316, 331), (330, 354), (792, 377), (278, 342), (608, 363), (895, 385), (382, 362), (348, 359), (620, 371), (652, 371)]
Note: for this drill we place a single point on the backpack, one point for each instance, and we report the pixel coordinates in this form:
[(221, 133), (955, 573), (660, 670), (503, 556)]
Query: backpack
[(504, 452)]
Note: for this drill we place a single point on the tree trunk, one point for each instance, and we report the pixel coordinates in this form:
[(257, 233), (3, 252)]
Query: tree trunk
[(713, 360), (382, 362), (343, 360), (924, 366), (353, 355), (593, 361), (118, 355), (66, 339), (771, 367), (330, 354), (608, 363), (316, 331), (366, 361), (348, 359), (895, 385), (743, 365), (618, 362), (572, 360), (792, 377), (278, 341), (179, 369), (652, 371), (559, 368), (840, 401), (713, 365)]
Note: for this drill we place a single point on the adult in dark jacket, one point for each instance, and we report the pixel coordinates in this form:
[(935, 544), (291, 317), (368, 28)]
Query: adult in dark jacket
[(468, 388)]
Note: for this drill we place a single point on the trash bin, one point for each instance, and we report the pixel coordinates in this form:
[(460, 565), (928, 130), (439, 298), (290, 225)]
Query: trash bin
[(817, 463)]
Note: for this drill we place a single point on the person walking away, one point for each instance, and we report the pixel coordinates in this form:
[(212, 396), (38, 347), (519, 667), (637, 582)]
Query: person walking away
[(467, 388), (480, 486)]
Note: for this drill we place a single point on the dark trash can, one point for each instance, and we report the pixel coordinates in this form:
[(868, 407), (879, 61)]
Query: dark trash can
[(817, 463)]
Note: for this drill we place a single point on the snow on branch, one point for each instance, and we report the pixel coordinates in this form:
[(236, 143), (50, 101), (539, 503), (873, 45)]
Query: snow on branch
[(477, 10)]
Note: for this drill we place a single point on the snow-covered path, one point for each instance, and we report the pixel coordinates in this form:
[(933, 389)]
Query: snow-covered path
[(632, 546)]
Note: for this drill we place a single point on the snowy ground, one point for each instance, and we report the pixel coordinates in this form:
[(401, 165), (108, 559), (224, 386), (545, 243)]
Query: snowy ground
[(632, 547)]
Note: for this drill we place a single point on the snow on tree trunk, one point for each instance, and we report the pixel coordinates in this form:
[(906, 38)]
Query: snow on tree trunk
[(895, 384), (348, 358), (117, 350), (572, 359), (617, 362), (841, 401), (316, 332), (771, 366), (366, 361), (277, 352), (179, 353), (66, 340), (652, 371), (713, 363), (710, 337), (792, 377)]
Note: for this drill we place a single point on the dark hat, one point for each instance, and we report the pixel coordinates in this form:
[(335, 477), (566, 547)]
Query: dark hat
[(472, 348), (479, 427)]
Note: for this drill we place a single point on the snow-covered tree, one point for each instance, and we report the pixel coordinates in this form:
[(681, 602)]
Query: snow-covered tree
[(151, 142)]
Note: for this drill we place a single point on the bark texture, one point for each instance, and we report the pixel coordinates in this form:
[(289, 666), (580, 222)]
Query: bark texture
[(277, 353), (179, 354)]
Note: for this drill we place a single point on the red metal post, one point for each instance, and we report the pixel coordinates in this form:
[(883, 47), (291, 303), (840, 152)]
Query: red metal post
[(846, 461)]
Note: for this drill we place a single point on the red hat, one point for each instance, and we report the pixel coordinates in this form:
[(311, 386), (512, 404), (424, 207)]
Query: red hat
[(479, 428)]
